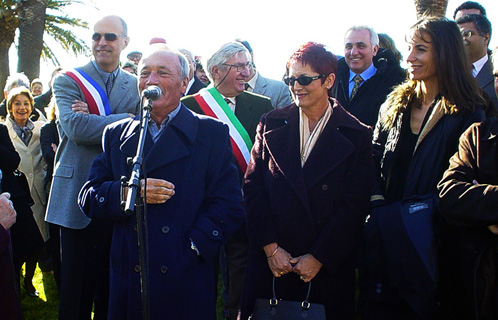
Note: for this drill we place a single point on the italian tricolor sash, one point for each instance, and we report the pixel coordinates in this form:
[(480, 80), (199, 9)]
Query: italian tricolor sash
[(213, 105), (95, 96)]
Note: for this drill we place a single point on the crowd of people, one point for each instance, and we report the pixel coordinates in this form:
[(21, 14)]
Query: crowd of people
[(349, 170)]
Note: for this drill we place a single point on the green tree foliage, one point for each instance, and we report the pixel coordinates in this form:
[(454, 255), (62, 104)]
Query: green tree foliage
[(32, 19)]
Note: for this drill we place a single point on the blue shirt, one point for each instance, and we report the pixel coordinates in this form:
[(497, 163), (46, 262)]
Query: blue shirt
[(365, 75), (154, 131)]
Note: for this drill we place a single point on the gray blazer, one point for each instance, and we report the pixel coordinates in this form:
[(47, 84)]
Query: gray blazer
[(486, 81), (277, 91), (80, 142)]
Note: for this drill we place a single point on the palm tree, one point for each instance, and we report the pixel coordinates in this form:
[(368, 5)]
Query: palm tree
[(430, 7), (33, 18)]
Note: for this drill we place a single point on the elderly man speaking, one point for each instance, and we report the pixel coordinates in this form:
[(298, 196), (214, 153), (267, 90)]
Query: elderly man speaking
[(193, 199)]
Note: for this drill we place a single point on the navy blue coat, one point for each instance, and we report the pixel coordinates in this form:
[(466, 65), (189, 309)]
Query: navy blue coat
[(193, 153)]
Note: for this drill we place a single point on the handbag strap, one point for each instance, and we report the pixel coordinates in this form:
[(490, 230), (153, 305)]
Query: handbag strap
[(305, 304)]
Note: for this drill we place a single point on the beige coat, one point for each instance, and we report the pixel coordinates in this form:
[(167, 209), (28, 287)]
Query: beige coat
[(34, 167)]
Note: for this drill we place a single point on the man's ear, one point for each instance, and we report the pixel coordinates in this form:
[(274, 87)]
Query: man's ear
[(375, 50)]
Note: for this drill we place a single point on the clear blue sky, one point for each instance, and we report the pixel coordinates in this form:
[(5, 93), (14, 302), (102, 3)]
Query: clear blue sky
[(274, 28)]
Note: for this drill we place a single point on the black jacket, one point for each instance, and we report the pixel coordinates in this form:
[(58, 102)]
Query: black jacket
[(373, 92)]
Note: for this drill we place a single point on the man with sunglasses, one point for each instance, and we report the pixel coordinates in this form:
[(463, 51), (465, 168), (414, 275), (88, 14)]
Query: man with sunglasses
[(228, 68), (476, 33), (366, 74), (88, 99)]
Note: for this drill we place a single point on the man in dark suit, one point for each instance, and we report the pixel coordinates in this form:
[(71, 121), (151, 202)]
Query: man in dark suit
[(189, 215), (194, 84), (476, 32), (228, 69), (88, 99), (376, 72)]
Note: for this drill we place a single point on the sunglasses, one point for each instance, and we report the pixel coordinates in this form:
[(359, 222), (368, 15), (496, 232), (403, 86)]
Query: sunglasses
[(107, 36), (302, 80)]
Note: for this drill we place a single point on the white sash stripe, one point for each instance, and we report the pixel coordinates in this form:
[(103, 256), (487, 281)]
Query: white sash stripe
[(95, 94), (220, 114)]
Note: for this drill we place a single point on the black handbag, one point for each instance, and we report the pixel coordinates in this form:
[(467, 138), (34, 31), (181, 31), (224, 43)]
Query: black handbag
[(278, 309)]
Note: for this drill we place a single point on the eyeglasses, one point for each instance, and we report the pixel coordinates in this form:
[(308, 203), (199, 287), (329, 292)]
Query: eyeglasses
[(239, 67), (302, 80), (467, 34), (107, 36)]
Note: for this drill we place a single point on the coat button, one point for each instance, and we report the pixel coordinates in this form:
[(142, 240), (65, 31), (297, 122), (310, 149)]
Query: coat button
[(136, 268), (325, 187), (215, 233), (165, 229), (135, 227), (101, 199), (164, 269)]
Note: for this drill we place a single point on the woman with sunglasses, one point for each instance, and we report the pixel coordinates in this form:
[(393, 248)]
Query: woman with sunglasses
[(415, 136), (306, 192)]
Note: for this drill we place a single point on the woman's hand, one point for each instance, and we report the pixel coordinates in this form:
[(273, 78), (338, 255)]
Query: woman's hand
[(306, 266), (278, 259)]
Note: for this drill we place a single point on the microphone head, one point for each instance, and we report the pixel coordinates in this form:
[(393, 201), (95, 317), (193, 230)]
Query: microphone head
[(152, 93)]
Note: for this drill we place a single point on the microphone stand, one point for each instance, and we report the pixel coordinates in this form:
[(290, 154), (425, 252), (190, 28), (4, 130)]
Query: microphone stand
[(136, 203)]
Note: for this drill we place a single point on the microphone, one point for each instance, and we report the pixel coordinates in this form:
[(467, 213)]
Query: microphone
[(152, 93)]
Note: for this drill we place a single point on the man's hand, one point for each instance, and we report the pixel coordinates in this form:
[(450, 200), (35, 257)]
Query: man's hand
[(306, 266), (7, 212), (80, 107), (494, 229), (158, 190)]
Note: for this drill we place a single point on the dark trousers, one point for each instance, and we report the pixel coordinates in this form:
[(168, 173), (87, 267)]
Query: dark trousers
[(85, 272), (236, 250)]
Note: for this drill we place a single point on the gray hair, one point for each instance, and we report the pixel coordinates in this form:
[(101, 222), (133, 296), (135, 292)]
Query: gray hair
[(183, 65), (374, 37), (16, 80), (224, 54)]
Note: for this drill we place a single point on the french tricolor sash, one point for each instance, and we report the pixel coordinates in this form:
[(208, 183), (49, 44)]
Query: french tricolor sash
[(213, 105), (95, 96)]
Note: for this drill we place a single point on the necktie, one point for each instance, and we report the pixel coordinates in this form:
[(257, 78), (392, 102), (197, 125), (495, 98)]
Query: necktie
[(357, 81), (474, 71), (109, 84)]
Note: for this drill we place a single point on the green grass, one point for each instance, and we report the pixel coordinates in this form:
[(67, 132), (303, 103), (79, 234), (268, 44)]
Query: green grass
[(45, 307)]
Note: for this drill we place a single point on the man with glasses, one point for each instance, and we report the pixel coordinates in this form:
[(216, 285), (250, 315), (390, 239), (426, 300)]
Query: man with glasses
[(228, 68), (476, 32), (366, 74), (88, 99)]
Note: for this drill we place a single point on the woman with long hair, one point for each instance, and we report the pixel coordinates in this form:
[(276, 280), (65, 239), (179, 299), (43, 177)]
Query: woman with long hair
[(416, 134)]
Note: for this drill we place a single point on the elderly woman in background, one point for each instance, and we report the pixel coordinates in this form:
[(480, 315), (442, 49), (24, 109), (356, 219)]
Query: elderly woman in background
[(416, 134), (25, 136), (307, 192)]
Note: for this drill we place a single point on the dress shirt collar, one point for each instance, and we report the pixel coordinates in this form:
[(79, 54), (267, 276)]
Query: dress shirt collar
[(252, 82), (479, 64), (189, 85), (365, 75), (154, 131), (105, 75)]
